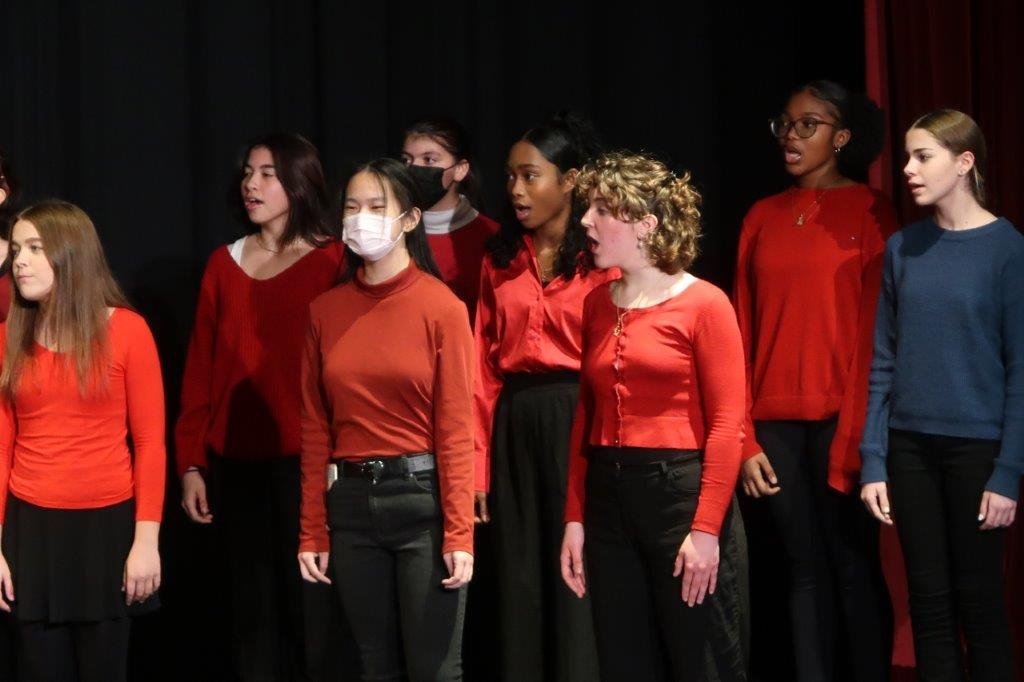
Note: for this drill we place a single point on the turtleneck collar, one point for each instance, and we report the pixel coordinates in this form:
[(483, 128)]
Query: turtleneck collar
[(401, 281)]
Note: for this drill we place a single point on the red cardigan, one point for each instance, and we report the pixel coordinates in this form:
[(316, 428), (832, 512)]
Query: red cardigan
[(240, 391), (523, 326), (805, 299), (672, 379)]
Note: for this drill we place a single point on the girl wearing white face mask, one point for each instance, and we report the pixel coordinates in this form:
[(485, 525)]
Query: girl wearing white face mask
[(387, 439)]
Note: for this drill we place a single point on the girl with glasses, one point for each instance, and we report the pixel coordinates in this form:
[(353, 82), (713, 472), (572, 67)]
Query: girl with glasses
[(807, 278)]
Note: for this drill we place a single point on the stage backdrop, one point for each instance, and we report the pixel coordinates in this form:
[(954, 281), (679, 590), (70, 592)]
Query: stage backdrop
[(136, 111)]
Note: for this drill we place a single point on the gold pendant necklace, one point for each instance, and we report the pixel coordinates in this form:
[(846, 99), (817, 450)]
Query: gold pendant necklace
[(620, 313), (808, 212)]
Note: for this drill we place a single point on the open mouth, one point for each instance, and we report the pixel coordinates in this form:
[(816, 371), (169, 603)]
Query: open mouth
[(592, 243), (792, 154), (521, 210), (252, 203)]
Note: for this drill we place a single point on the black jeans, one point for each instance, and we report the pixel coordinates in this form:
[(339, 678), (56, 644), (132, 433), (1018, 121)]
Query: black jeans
[(636, 517), (89, 652), (954, 570), (282, 634), (831, 546), (386, 541)]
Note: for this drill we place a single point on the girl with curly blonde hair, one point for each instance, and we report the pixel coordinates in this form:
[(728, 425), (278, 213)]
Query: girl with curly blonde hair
[(656, 445)]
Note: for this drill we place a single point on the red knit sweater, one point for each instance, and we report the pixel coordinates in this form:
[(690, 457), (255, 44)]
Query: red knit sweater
[(672, 379), (459, 255), (805, 298), (387, 371), (240, 392)]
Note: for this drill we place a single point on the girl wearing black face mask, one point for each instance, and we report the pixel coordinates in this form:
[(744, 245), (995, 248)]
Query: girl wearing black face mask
[(437, 153)]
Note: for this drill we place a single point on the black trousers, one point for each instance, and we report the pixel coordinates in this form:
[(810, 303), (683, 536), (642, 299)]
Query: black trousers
[(280, 626), (636, 517), (543, 631), (954, 570), (86, 652), (831, 546), (386, 542)]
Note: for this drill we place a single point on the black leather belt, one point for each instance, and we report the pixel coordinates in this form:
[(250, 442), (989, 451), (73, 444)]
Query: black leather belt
[(379, 468)]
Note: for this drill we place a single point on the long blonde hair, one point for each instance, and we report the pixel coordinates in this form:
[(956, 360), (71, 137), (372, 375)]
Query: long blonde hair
[(77, 306)]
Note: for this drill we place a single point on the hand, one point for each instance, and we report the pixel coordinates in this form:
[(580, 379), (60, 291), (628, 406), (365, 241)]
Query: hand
[(460, 569), (193, 497), (572, 558), (996, 511), (875, 497), (313, 567), (697, 560), (6, 586), (141, 572), (758, 477), (482, 515)]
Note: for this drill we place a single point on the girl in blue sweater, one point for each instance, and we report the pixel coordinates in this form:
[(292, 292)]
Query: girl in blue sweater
[(944, 436)]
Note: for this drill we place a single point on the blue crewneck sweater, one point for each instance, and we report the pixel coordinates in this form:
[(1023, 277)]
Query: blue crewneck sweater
[(949, 344)]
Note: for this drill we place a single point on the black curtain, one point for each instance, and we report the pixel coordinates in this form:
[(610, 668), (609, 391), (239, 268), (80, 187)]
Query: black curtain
[(136, 111)]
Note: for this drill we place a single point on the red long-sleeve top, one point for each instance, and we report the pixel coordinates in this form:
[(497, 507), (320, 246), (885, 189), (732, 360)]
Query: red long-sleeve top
[(459, 254), (523, 326), (61, 449), (672, 379), (240, 392), (387, 370), (805, 298)]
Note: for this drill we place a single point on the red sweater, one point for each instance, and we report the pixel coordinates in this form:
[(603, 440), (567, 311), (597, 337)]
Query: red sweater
[(459, 254), (672, 379), (523, 326), (387, 371), (240, 392), (805, 298), (61, 450)]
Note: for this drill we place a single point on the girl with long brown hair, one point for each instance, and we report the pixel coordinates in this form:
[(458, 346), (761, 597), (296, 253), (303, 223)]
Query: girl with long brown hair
[(81, 509)]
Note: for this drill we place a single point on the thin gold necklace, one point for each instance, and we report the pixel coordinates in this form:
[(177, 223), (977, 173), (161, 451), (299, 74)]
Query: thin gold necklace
[(620, 313), (808, 212), (259, 243)]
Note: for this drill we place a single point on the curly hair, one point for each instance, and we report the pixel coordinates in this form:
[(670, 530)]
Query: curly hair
[(635, 185)]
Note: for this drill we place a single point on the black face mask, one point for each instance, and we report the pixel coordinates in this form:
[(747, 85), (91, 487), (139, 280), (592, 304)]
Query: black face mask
[(429, 182)]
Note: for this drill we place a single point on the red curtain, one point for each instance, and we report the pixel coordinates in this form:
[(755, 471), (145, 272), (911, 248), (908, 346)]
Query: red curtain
[(961, 54)]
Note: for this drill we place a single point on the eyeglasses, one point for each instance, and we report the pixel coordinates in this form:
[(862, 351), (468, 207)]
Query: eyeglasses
[(805, 127)]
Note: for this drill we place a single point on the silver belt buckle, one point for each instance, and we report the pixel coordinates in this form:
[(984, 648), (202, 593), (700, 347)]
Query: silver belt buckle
[(374, 469)]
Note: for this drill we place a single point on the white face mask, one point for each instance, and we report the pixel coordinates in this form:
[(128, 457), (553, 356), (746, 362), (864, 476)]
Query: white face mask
[(369, 235)]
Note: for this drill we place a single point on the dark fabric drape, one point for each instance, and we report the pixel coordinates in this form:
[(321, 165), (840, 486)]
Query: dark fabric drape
[(960, 54), (135, 111)]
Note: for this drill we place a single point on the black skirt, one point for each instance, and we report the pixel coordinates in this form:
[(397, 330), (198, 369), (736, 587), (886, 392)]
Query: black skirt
[(68, 564)]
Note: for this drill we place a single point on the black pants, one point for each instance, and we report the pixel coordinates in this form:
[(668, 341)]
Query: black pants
[(954, 570), (386, 541), (831, 545), (543, 632), (88, 652), (636, 518), (280, 625)]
